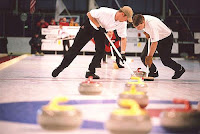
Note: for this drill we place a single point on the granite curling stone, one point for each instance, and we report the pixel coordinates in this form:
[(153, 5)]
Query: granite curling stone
[(59, 117), (186, 119), (140, 97), (138, 83), (198, 106), (129, 121), (140, 73), (90, 87)]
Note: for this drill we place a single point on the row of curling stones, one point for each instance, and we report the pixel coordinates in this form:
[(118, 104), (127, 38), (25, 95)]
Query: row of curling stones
[(59, 117), (140, 97), (181, 119), (138, 83), (129, 121), (90, 87)]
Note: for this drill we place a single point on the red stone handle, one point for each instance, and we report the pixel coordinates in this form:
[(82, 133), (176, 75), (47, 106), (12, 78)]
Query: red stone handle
[(138, 69), (89, 80), (183, 101)]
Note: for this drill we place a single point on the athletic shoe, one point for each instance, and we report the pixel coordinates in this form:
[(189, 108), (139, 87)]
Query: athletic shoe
[(37, 54), (120, 66), (178, 73), (153, 74), (91, 74), (56, 72), (41, 54)]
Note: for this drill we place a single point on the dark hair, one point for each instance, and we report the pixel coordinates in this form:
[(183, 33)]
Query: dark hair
[(138, 19)]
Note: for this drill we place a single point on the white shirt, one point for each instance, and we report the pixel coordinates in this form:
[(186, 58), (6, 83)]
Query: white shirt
[(106, 17), (156, 28)]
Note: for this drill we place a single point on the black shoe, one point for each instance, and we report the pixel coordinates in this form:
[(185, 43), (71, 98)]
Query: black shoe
[(178, 73), (120, 66), (91, 74), (56, 72), (153, 74)]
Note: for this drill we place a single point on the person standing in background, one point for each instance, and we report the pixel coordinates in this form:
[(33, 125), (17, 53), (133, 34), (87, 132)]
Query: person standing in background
[(41, 24), (35, 44), (52, 22), (62, 34)]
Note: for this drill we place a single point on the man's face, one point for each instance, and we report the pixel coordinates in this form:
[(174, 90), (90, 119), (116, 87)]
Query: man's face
[(64, 19), (122, 17), (140, 26)]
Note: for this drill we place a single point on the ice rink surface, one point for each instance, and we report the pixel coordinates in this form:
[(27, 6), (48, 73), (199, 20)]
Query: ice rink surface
[(28, 85)]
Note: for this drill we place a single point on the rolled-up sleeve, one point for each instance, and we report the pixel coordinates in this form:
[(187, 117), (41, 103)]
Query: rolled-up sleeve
[(122, 30)]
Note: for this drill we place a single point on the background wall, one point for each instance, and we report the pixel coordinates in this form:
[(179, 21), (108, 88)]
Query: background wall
[(11, 24), (18, 45)]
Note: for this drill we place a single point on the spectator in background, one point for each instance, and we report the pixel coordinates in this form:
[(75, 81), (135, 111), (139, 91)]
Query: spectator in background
[(62, 34), (116, 41), (52, 22), (41, 24), (63, 22), (72, 23), (35, 44)]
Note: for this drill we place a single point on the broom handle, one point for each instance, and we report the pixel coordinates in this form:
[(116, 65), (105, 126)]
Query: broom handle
[(112, 54), (118, 53), (148, 50)]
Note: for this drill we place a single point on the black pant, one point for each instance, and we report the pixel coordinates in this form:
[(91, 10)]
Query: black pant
[(164, 50), (85, 34), (36, 48), (115, 54)]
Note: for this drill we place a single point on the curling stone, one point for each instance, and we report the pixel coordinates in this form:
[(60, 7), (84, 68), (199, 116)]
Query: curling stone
[(140, 73), (59, 117), (90, 87), (140, 97), (198, 106), (181, 119), (129, 121), (139, 85)]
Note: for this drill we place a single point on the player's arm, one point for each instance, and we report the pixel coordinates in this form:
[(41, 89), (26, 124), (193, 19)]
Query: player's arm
[(93, 19), (153, 48), (123, 45)]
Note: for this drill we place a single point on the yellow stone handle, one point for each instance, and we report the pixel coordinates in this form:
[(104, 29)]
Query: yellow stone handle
[(138, 80), (133, 91), (54, 104), (134, 108)]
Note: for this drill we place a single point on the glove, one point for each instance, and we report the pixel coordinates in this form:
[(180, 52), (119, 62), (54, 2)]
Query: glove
[(103, 30), (123, 58), (147, 35), (148, 60)]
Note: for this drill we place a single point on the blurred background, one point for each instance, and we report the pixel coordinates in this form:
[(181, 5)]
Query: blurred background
[(17, 19)]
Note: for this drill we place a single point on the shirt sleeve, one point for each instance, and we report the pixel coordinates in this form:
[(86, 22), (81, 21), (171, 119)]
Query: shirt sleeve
[(122, 30), (95, 13), (154, 34)]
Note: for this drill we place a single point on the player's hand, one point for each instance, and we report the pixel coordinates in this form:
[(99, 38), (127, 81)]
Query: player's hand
[(123, 58), (148, 61), (103, 30), (147, 35)]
